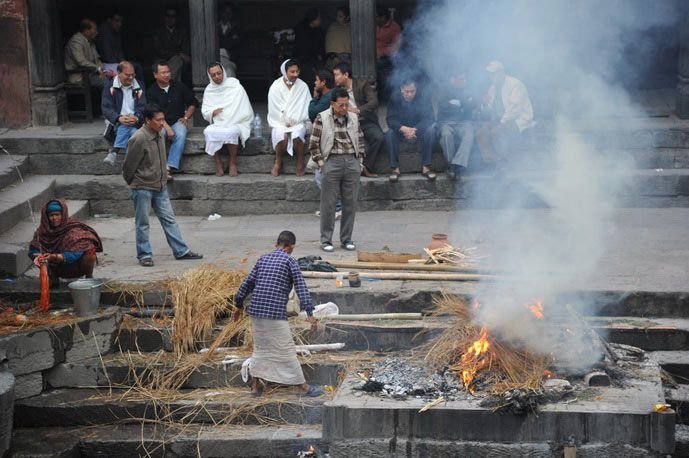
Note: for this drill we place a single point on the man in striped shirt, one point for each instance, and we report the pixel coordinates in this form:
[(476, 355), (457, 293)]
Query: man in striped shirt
[(337, 149), (274, 358)]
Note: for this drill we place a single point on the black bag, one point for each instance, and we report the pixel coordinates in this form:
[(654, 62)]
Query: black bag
[(109, 133), (315, 264)]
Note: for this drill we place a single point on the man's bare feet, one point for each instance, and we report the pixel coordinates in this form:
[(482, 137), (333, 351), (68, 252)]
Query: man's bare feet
[(219, 172), (233, 170), (300, 171), (276, 169)]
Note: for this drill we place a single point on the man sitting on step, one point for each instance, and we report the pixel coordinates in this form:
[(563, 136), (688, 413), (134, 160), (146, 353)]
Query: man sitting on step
[(228, 110), (123, 104), (178, 104), (288, 114), (509, 109)]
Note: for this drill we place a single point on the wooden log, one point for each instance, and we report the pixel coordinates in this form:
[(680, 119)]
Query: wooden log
[(385, 256), (408, 266), (405, 276), (372, 316), (320, 347)]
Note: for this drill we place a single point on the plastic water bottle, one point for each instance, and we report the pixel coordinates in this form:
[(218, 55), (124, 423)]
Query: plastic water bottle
[(257, 125)]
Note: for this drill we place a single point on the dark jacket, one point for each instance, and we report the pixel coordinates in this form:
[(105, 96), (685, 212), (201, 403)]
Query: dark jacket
[(173, 102), (109, 44), (145, 165), (309, 43), (366, 99), (169, 43), (461, 108), (320, 104), (417, 113), (111, 102), (231, 39)]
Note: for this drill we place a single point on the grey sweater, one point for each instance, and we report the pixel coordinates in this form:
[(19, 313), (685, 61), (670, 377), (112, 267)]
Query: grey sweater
[(145, 163)]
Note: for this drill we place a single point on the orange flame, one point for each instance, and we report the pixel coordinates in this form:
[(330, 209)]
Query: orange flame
[(474, 359), (549, 374), (536, 308)]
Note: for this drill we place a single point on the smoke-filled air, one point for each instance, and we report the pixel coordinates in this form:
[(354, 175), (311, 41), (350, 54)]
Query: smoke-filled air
[(575, 58)]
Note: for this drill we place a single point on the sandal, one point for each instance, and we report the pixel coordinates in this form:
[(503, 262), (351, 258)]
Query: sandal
[(394, 177), (429, 174), (313, 392)]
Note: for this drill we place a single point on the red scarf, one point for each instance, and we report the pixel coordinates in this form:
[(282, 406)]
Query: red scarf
[(70, 235)]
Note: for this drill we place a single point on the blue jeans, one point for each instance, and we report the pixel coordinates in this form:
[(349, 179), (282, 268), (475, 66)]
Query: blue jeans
[(122, 134), (159, 200), (318, 176), (174, 156)]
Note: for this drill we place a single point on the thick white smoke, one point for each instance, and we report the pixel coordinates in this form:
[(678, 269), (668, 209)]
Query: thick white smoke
[(574, 57)]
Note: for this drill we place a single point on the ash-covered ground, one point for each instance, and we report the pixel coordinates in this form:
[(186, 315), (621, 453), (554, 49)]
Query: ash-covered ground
[(399, 378)]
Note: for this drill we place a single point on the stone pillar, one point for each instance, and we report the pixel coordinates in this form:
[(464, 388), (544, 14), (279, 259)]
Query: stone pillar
[(204, 44), (363, 20), (6, 410), (15, 102), (48, 100), (682, 104)]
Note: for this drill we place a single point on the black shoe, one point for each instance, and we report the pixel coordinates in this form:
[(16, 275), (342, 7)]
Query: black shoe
[(189, 255), (451, 173)]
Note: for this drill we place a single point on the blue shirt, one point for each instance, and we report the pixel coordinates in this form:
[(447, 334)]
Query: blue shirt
[(271, 281)]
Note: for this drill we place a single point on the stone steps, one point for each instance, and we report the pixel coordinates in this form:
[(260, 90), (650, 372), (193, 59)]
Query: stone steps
[(19, 200), (14, 243), (118, 370), (126, 441), (73, 407), (12, 168), (255, 194)]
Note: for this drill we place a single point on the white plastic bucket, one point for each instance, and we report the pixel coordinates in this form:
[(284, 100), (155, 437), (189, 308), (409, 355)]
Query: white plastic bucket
[(86, 296)]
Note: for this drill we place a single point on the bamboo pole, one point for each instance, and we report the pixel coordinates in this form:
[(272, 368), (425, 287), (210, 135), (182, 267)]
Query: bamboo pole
[(406, 267), (405, 276), (371, 316)]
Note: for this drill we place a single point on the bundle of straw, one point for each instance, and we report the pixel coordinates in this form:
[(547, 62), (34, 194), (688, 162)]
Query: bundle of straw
[(449, 254), (200, 296)]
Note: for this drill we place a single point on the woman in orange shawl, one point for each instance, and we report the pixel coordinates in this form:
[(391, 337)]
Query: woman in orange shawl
[(67, 245)]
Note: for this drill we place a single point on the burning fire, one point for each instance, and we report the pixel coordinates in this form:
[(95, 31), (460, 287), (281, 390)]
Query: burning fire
[(548, 374), (536, 308), (474, 359)]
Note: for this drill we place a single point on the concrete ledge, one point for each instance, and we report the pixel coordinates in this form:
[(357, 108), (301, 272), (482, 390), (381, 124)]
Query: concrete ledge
[(90, 373), (7, 384), (621, 416), (15, 200), (72, 407), (126, 441), (199, 195)]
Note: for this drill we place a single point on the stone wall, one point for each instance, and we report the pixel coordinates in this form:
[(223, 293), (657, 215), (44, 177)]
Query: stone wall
[(31, 354)]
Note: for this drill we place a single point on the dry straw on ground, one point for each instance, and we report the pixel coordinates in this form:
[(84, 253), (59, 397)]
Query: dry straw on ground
[(501, 368), (200, 296)]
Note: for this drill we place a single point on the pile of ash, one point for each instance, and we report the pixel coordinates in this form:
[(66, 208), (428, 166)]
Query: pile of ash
[(398, 378)]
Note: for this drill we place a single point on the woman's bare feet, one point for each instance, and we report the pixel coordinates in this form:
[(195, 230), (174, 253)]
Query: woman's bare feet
[(233, 170)]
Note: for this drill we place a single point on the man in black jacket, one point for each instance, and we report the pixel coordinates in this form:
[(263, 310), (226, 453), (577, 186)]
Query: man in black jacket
[(178, 103), (410, 118), (122, 105)]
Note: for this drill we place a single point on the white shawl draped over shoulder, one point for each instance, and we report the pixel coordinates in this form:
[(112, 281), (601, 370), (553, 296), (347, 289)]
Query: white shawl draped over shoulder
[(288, 107), (232, 98)]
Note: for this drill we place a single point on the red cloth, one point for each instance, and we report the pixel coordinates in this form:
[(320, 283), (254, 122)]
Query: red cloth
[(70, 235), (388, 39)]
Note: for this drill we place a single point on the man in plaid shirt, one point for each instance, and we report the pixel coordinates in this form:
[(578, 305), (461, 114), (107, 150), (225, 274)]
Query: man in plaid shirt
[(337, 148), (274, 357)]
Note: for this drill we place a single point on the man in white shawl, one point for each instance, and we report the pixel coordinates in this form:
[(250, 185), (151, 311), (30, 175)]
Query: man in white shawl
[(288, 113), (228, 110)]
